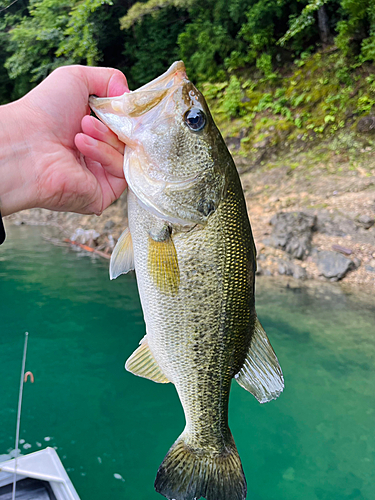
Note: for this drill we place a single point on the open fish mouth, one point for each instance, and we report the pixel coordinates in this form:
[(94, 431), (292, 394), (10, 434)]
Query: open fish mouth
[(173, 76), (140, 101)]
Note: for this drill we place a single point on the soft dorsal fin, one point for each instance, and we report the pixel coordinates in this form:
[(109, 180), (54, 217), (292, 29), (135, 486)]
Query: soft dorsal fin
[(261, 373), (143, 364), (163, 261), (122, 258)]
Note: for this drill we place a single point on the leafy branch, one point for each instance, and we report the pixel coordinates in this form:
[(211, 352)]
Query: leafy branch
[(305, 19)]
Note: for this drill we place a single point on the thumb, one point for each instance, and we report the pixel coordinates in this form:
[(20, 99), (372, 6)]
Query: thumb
[(117, 84), (104, 82)]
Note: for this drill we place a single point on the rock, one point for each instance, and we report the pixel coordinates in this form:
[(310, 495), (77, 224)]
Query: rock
[(370, 269), (366, 221), (366, 125), (334, 225), (292, 232), (356, 262), (109, 225), (290, 268), (333, 265)]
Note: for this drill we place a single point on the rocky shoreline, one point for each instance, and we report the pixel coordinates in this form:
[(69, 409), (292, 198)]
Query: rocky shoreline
[(312, 245), (307, 225), (314, 222)]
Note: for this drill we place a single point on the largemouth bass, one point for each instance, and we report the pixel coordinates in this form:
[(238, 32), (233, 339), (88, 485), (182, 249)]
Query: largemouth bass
[(190, 242)]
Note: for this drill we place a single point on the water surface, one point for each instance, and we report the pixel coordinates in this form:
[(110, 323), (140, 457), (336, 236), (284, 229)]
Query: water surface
[(112, 429)]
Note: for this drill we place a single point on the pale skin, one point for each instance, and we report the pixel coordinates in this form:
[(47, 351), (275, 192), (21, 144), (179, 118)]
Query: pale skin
[(53, 154)]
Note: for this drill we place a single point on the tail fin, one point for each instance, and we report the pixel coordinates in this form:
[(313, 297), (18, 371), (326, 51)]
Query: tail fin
[(187, 474)]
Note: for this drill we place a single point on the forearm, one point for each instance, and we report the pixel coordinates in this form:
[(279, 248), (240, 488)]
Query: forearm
[(17, 182)]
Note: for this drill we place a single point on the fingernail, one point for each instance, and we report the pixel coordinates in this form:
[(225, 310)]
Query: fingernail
[(117, 85)]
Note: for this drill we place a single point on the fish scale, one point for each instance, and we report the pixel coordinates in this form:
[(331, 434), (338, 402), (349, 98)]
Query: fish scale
[(190, 243)]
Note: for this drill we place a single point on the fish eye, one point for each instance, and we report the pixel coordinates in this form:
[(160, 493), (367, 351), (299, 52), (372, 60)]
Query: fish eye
[(195, 119)]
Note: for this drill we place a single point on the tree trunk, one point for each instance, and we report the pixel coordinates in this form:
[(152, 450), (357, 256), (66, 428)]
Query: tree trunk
[(323, 22)]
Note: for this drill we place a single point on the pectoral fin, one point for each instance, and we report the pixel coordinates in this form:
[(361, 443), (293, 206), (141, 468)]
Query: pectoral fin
[(261, 373), (163, 262), (143, 364), (122, 258)]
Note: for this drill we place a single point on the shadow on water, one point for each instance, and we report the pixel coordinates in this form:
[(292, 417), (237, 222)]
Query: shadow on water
[(111, 429)]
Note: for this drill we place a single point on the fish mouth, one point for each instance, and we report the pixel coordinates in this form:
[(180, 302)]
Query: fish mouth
[(152, 93), (118, 112), (175, 75)]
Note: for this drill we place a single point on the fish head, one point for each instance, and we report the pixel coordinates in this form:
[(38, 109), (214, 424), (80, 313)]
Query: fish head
[(175, 159)]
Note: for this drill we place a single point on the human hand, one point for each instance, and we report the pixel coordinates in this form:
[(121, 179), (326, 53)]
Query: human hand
[(59, 157)]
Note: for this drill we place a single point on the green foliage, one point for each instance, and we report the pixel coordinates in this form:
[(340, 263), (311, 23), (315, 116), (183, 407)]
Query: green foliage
[(51, 33), (139, 10), (264, 64), (261, 26), (365, 103), (224, 36), (368, 44), (152, 46), (232, 97), (242, 43), (308, 104), (202, 46), (301, 22), (210, 38), (80, 36), (356, 31), (34, 40), (368, 48)]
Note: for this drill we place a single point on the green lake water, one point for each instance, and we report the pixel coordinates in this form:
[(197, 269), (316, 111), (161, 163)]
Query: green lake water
[(112, 429)]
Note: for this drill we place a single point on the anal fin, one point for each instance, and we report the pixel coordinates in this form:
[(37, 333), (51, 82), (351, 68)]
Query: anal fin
[(143, 364), (261, 374)]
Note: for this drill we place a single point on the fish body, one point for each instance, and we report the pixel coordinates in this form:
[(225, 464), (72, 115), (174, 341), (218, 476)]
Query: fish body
[(190, 242)]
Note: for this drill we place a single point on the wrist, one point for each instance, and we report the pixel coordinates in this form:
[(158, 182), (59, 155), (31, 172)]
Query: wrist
[(17, 186)]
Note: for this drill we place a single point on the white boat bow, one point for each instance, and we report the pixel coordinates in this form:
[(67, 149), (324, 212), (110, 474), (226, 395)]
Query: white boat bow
[(43, 465)]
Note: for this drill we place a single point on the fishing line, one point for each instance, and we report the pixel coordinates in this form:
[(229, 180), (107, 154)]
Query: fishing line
[(19, 414)]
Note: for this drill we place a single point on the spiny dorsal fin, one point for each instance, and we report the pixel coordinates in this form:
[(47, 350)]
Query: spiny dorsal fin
[(143, 364), (163, 264), (122, 258), (261, 373)]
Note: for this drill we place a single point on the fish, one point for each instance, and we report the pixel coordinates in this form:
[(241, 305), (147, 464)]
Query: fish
[(190, 242)]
